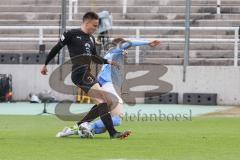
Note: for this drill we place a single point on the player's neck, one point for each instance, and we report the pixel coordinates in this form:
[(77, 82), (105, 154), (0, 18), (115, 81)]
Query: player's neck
[(84, 29)]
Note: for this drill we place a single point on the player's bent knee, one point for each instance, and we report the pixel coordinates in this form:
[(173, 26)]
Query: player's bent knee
[(117, 109)]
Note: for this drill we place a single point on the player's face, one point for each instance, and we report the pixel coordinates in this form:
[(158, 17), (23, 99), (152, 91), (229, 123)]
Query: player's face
[(92, 26)]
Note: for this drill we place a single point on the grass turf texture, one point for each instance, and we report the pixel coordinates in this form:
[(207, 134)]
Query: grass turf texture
[(33, 138)]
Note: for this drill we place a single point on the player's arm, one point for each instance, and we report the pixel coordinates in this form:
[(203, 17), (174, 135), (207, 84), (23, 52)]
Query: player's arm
[(127, 44), (50, 56), (100, 60), (154, 43), (136, 43), (55, 50)]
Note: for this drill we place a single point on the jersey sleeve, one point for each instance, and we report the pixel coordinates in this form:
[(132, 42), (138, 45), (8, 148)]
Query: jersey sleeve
[(139, 43), (53, 52), (65, 38), (127, 44), (134, 43)]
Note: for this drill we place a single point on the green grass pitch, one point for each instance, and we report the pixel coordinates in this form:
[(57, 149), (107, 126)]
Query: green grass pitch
[(33, 138)]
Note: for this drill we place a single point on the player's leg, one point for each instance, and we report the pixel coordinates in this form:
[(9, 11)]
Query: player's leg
[(93, 89), (101, 109), (113, 93), (116, 109), (89, 85), (98, 126), (68, 131), (104, 112)]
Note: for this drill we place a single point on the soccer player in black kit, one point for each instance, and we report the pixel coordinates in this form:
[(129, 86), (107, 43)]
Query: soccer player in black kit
[(81, 46)]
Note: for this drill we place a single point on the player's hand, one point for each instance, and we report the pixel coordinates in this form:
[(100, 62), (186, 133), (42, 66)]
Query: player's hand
[(114, 64), (154, 43), (44, 70)]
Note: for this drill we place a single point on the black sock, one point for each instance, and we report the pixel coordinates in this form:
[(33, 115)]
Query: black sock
[(101, 110), (106, 118), (91, 115)]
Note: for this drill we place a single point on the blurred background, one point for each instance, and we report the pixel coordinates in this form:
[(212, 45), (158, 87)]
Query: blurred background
[(199, 45)]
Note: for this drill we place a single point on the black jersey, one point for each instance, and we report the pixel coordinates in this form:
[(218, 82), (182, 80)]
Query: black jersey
[(81, 48)]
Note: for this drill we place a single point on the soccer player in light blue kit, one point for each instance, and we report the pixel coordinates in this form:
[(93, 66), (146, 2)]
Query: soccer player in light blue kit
[(111, 78)]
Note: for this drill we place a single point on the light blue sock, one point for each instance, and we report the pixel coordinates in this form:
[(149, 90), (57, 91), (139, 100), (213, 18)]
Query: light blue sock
[(99, 127)]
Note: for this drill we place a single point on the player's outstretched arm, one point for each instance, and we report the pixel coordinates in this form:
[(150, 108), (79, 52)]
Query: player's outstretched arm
[(154, 43), (136, 43)]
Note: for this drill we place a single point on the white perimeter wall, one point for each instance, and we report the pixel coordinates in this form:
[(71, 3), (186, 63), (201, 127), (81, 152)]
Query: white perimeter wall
[(225, 81)]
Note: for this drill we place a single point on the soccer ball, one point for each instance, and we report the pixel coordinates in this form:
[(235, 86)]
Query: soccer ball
[(85, 130), (85, 134)]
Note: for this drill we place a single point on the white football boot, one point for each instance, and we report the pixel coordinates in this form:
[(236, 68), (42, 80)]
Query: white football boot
[(68, 131)]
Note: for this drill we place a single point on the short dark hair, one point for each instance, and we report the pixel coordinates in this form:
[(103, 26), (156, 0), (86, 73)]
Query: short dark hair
[(118, 40), (90, 16)]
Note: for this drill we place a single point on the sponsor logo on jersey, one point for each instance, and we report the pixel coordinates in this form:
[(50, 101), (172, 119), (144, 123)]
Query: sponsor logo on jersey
[(62, 38), (78, 37), (87, 46)]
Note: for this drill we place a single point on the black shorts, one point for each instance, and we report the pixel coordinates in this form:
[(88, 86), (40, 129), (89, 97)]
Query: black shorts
[(84, 80)]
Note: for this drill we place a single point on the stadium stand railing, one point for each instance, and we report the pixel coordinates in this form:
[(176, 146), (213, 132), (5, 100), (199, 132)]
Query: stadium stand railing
[(208, 47), (41, 38)]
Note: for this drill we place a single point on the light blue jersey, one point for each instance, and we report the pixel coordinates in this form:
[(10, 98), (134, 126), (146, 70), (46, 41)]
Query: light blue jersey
[(111, 73)]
